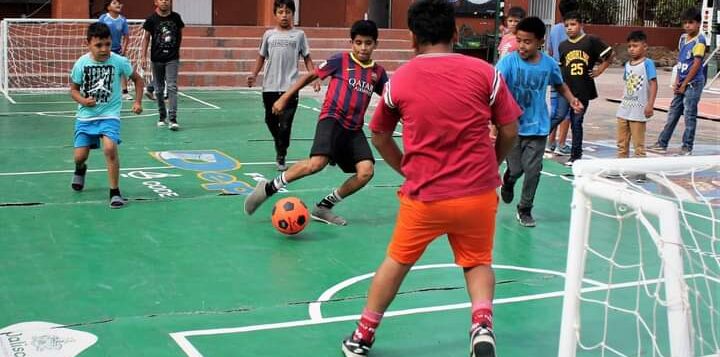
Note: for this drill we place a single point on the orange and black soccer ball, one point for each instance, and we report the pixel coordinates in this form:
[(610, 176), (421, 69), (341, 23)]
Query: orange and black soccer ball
[(290, 216)]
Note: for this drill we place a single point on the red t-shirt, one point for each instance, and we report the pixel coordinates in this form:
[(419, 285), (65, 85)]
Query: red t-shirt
[(446, 102)]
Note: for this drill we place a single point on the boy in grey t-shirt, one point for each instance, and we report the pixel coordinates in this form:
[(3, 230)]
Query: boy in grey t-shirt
[(279, 53), (638, 97)]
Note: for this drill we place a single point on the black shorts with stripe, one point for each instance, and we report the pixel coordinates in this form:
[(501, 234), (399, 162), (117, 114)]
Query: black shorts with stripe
[(342, 146)]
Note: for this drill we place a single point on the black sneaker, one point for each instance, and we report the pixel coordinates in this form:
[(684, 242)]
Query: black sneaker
[(78, 180), (355, 348), (506, 190), (482, 342), (525, 217), (281, 165)]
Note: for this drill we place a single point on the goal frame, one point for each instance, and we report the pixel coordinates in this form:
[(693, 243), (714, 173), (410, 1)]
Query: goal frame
[(586, 187)]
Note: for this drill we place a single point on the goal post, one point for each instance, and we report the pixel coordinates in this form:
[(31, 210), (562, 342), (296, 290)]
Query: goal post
[(596, 196), (38, 54)]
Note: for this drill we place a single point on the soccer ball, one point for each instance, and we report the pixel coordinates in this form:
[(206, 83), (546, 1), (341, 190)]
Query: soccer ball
[(290, 216)]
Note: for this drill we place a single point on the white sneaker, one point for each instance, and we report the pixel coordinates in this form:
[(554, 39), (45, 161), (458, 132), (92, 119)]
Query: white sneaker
[(161, 123), (174, 126), (127, 96)]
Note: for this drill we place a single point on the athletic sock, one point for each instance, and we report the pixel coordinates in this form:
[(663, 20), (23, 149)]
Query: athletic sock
[(482, 314), (368, 323), (275, 185), (80, 169), (114, 192), (330, 200)]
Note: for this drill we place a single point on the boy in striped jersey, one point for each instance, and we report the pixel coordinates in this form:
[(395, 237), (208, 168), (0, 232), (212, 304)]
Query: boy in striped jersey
[(339, 136)]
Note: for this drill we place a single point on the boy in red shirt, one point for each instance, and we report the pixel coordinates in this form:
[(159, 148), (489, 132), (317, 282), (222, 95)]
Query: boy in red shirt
[(450, 165)]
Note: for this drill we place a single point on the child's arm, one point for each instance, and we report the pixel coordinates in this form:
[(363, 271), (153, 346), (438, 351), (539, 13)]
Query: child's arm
[(125, 44), (306, 79), (259, 63), (139, 86), (652, 94), (311, 68), (565, 91), (388, 149), (77, 96), (694, 69)]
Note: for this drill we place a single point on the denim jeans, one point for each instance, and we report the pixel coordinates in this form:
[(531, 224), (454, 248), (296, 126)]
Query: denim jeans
[(166, 72), (683, 104), (576, 122)]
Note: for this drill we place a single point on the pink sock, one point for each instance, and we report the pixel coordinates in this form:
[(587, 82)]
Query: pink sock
[(482, 313), (369, 321)]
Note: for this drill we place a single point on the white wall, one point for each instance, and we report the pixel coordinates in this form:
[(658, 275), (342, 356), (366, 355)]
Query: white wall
[(194, 12)]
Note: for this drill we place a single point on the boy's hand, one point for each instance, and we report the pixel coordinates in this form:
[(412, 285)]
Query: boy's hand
[(251, 80), (89, 102), (317, 86), (279, 106), (577, 105), (649, 111), (596, 73), (137, 107), (681, 89)]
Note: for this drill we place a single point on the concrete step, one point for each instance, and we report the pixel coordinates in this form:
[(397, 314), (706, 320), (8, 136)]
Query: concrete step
[(255, 31), (315, 42)]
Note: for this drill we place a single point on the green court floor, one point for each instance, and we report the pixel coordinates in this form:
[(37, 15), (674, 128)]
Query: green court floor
[(183, 272)]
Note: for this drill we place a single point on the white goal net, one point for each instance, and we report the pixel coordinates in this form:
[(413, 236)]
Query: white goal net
[(37, 55), (643, 270)]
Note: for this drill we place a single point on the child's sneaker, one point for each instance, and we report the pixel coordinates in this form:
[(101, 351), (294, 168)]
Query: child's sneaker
[(570, 162), (118, 202), (174, 126), (280, 162), (507, 191), (326, 215), (482, 342), (550, 147), (565, 150), (658, 148), (161, 123), (524, 216), (256, 198), (355, 348), (127, 96), (78, 181), (149, 94), (684, 151)]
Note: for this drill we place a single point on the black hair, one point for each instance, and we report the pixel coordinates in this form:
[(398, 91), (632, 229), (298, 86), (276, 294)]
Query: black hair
[(691, 14), (517, 11), (106, 4), (99, 30), (432, 21), (568, 6), (637, 36), (290, 4), (364, 28), (532, 25), (573, 15)]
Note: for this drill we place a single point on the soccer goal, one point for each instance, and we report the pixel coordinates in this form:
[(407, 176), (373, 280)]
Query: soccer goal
[(37, 55), (643, 266)]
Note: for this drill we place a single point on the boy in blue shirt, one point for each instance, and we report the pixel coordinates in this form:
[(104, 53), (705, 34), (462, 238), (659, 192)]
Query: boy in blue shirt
[(688, 85), (528, 72), (119, 32), (95, 85)]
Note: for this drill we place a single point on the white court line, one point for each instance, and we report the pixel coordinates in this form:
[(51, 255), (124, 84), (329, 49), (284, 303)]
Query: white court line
[(198, 100), (29, 173), (52, 112), (191, 351)]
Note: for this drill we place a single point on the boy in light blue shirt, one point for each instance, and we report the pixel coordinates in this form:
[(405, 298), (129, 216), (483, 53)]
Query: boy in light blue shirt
[(528, 73), (95, 85), (119, 32)]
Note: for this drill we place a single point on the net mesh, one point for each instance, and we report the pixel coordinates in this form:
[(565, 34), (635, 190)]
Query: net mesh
[(40, 55), (624, 307)]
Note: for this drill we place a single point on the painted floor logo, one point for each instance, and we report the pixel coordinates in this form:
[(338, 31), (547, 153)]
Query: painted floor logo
[(212, 168), (43, 339)]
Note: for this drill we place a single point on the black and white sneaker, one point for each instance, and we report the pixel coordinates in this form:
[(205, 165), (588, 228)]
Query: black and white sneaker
[(355, 348), (524, 216), (482, 342), (507, 190)]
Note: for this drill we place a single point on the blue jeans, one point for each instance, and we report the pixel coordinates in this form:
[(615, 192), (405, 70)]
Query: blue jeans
[(687, 105), (576, 121)]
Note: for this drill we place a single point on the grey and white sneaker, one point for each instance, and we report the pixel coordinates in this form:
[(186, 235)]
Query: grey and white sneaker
[(658, 148), (482, 342), (118, 202), (174, 126), (256, 198), (162, 123), (78, 182), (326, 215)]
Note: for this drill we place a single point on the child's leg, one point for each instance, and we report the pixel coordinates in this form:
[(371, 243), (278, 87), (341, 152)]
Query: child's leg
[(171, 74), (158, 69), (112, 160), (562, 131), (624, 131), (532, 158), (676, 109), (576, 122), (80, 156), (637, 133), (285, 126), (365, 172), (692, 97), (271, 120)]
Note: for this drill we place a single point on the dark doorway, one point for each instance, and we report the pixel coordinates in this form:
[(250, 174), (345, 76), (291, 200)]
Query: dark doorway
[(379, 12)]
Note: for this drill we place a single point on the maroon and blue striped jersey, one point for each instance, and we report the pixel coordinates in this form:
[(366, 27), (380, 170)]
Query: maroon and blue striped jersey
[(351, 85)]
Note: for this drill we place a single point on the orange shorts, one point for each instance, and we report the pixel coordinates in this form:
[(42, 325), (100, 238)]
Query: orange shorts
[(469, 223)]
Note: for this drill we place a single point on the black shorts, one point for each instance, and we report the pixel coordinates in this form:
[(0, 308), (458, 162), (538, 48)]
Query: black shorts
[(342, 146)]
